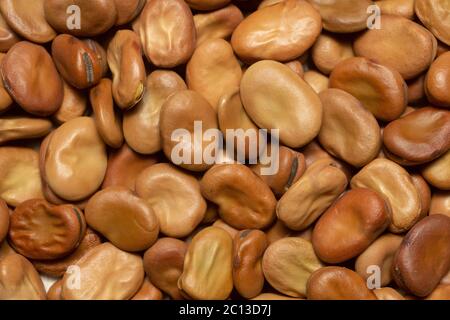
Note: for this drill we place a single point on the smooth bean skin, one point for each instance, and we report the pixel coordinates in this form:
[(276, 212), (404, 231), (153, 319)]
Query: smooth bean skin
[(433, 15), (395, 184), (419, 137), (424, 193), (18, 128), (380, 89), (127, 66), (311, 195), (23, 70), (380, 253), (19, 280), (74, 104), (437, 173), (106, 273), (54, 292), (296, 111), (209, 256), (329, 50), (248, 277), (123, 218), (167, 32), (244, 200), (148, 291), (388, 293), (207, 5), (141, 124), (350, 225), (97, 16), (438, 80), (440, 203), (174, 196), (423, 257), (393, 44), (404, 8), (213, 62), (348, 131), (287, 265), (128, 10), (316, 80), (296, 23), (337, 283), (8, 37), (163, 264)]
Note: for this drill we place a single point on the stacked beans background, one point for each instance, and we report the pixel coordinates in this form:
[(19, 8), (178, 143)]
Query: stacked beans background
[(93, 205)]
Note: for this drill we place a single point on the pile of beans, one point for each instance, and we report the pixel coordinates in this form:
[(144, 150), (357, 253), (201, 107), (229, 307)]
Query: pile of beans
[(92, 92)]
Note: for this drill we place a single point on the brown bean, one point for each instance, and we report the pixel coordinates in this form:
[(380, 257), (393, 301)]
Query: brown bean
[(107, 120), (178, 115), (141, 124), (442, 292), (8, 37), (418, 137), (388, 293), (329, 50), (350, 225), (128, 10), (348, 131), (19, 175), (209, 256), (18, 128), (433, 14), (207, 4), (27, 18), (244, 200), (393, 43), (218, 24), (311, 195), (317, 81), (167, 32), (337, 283), (175, 198), (424, 193), (380, 89), (104, 273), (39, 230), (57, 267), (423, 258), (287, 265), (438, 80), (19, 280), (23, 70), (4, 220), (395, 184), (76, 61), (295, 22), (416, 90), (404, 8), (123, 218), (277, 98), (213, 62), (54, 292), (75, 180), (163, 264), (74, 104), (96, 16), (440, 203), (343, 16), (128, 69), (124, 166), (219, 223), (148, 291), (248, 277)]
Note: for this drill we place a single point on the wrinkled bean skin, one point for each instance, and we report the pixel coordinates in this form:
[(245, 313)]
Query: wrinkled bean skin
[(76, 61), (297, 112), (163, 264), (218, 24), (311, 195), (41, 231), (97, 16), (337, 283), (423, 257), (174, 196), (296, 23), (395, 184), (419, 137), (167, 32), (106, 273), (361, 213), (19, 280), (248, 277), (209, 257), (127, 66), (245, 201), (287, 265), (24, 70), (141, 123)]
